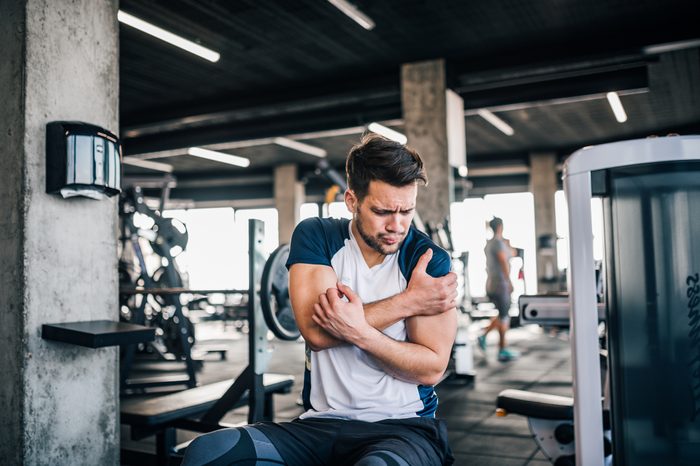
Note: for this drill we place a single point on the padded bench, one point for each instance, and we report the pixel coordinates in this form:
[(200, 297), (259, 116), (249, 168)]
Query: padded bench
[(160, 416), (537, 405), (540, 406)]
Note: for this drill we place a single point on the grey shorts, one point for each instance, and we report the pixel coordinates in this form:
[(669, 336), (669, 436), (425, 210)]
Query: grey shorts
[(317, 442), (501, 299)]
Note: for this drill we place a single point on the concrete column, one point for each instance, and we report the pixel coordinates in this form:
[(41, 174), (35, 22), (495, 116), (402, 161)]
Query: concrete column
[(543, 185), (289, 195), (424, 100), (58, 402)]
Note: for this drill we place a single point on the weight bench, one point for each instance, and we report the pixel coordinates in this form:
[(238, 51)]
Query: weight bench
[(161, 416), (550, 418)]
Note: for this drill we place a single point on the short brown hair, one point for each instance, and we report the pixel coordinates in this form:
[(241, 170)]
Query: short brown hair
[(381, 159)]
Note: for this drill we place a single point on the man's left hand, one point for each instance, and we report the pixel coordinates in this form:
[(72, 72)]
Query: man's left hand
[(344, 320)]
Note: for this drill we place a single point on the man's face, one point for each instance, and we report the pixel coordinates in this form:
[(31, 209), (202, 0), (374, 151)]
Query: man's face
[(384, 216)]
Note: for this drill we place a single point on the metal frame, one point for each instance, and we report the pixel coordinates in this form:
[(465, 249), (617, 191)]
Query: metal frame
[(251, 378), (588, 421)]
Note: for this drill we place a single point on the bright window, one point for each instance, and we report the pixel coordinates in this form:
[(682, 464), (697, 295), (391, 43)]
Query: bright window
[(338, 210), (561, 212), (211, 255), (308, 210), (216, 256), (470, 232)]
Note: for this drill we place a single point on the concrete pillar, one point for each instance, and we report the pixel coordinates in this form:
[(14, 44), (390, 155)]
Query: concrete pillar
[(289, 195), (424, 101), (543, 185), (58, 402)]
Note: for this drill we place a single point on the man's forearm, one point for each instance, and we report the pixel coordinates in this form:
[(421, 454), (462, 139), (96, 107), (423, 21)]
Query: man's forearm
[(379, 314), (386, 312), (404, 360)]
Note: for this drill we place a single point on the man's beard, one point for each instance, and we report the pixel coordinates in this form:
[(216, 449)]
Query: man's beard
[(373, 242)]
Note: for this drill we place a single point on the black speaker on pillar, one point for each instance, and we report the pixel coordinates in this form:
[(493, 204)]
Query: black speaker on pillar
[(82, 160)]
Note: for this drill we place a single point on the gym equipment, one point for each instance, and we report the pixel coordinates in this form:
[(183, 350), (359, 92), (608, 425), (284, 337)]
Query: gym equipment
[(550, 417), (274, 296), (201, 409), (651, 207), (175, 336), (552, 309)]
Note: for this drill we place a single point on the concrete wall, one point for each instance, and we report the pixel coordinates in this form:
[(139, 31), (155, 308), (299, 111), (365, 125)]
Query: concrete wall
[(67, 396), (424, 102), (12, 335)]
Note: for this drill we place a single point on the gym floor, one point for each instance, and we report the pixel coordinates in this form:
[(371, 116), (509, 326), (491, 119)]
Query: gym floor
[(477, 436)]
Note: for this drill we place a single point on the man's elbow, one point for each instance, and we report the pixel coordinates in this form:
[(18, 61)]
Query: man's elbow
[(431, 379), (315, 346), (317, 341)]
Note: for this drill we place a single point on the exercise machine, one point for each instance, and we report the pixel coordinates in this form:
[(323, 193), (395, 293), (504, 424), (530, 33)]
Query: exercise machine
[(651, 206), (201, 409), (166, 237), (551, 417)]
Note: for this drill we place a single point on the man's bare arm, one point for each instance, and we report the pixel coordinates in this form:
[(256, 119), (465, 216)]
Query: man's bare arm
[(425, 295), (505, 267), (306, 281), (422, 360)]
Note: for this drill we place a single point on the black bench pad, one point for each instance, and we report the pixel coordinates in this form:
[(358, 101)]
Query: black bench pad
[(537, 405), (188, 403)]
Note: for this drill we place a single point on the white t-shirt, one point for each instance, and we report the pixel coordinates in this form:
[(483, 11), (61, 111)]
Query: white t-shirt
[(345, 381)]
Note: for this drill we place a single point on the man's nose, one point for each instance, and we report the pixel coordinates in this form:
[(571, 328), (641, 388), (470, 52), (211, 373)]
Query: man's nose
[(395, 225)]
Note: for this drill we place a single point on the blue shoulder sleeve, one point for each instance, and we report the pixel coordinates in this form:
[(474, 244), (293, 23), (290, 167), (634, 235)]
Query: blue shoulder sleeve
[(414, 246), (316, 240)]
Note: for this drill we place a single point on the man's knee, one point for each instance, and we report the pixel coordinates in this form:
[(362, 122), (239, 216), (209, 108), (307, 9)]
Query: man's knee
[(209, 447), (231, 446)]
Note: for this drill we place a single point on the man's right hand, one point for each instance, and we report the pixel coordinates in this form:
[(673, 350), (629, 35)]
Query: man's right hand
[(427, 295)]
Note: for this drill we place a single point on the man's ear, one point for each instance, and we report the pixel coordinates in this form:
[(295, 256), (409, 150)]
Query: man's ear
[(351, 200)]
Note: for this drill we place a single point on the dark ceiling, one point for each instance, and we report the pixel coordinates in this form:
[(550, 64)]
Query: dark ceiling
[(302, 69)]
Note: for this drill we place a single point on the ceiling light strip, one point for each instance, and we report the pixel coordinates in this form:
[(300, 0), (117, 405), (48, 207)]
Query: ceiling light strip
[(157, 166), (301, 147), (167, 36), (551, 102), (352, 12), (671, 47), (617, 108), (218, 157), (387, 133), (501, 125)]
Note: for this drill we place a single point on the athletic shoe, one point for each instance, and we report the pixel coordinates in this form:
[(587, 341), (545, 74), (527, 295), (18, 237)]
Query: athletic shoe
[(481, 340), (506, 355)]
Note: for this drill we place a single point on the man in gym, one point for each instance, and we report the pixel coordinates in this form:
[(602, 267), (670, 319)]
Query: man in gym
[(375, 301), (498, 289)]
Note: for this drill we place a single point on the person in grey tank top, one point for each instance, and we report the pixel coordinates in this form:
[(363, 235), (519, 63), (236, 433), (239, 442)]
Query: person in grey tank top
[(498, 288)]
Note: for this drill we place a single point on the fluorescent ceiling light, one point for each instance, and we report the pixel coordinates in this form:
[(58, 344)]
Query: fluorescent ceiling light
[(301, 147), (504, 127), (671, 46), (353, 13), (387, 133), (617, 108), (463, 171), (168, 37), (161, 167), (219, 156)]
